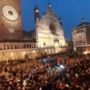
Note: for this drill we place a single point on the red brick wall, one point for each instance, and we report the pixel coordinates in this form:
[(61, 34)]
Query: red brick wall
[(5, 24)]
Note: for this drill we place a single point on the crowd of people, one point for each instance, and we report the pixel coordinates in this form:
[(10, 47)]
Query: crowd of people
[(34, 75)]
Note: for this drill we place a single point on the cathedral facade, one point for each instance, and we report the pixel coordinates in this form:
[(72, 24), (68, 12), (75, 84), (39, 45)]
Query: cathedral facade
[(47, 38), (49, 29)]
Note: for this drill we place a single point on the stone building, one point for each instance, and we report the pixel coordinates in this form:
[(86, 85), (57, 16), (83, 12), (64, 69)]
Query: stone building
[(10, 20), (81, 37), (49, 30), (47, 38)]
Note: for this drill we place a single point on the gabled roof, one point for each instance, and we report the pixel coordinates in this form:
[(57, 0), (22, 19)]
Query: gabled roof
[(50, 11)]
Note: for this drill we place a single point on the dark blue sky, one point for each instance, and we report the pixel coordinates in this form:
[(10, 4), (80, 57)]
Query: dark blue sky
[(70, 12)]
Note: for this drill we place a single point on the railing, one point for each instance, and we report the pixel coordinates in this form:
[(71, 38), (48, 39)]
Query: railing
[(17, 46)]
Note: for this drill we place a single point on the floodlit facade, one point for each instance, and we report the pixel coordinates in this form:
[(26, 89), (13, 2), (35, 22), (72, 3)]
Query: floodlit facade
[(81, 37), (47, 38), (10, 20), (49, 29)]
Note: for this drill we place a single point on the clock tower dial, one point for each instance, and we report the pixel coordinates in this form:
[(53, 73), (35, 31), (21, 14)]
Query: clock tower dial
[(10, 19), (10, 12)]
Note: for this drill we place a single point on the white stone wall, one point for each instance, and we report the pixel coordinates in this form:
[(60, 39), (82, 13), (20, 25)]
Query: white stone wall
[(44, 34)]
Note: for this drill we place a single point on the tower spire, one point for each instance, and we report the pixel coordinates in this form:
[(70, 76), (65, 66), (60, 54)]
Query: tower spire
[(49, 5), (36, 13)]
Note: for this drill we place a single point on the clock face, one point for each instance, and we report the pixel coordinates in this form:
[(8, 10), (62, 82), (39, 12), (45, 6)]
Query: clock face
[(10, 13)]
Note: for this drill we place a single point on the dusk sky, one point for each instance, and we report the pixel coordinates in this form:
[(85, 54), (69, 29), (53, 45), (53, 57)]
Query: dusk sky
[(70, 12)]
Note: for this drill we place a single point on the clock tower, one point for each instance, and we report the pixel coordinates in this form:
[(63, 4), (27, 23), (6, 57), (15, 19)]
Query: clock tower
[(10, 20)]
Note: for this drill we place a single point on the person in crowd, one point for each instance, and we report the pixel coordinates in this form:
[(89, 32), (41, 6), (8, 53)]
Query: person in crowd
[(34, 75)]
